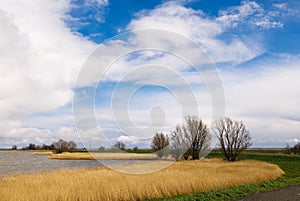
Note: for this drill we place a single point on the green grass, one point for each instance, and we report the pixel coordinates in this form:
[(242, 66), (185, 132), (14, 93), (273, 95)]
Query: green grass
[(141, 151), (288, 163)]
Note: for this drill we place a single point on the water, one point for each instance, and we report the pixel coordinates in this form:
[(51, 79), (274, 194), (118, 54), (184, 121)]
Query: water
[(14, 162)]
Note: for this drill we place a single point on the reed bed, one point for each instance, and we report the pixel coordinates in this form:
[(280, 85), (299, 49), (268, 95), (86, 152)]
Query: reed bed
[(103, 156), (43, 152), (101, 183)]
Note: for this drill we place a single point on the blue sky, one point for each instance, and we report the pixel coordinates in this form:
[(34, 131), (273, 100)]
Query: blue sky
[(254, 45), (116, 15)]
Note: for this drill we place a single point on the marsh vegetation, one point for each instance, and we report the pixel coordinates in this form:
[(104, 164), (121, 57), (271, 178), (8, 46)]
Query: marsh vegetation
[(105, 184)]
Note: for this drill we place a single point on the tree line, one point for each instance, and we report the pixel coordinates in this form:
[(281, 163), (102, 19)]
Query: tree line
[(292, 150), (58, 146), (192, 139)]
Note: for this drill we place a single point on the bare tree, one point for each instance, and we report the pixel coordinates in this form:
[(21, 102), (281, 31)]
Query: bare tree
[(287, 149), (101, 148), (178, 143), (190, 139), (233, 137), (120, 145), (197, 135), (61, 146), (296, 148), (72, 146), (160, 143)]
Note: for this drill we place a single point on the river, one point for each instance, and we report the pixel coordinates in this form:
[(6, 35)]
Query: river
[(15, 162)]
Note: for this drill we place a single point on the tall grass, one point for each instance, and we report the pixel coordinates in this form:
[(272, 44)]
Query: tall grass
[(105, 184), (103, 156), (288, 163), (43, 152)]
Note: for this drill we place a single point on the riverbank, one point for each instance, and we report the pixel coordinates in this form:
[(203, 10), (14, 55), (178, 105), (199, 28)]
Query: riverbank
[(105, 184)]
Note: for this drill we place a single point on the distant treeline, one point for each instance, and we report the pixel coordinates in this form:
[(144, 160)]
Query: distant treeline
[(293, 150), (57, 146)]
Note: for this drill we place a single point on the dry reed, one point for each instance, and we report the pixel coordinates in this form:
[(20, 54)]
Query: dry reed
[(43, 152), (105, 184), (103, 156)]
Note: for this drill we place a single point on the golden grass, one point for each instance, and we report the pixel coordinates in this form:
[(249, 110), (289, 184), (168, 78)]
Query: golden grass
[(103, 156), (105, 184), (43, 153)]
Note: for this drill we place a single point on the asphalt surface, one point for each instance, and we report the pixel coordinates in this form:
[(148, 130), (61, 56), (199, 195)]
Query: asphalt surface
[(286, 194)]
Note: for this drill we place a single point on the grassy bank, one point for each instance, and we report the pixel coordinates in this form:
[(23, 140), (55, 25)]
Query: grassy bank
[(105, 184), (289, 163)]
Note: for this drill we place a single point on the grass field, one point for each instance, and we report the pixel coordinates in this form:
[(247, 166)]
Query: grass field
[(289, 163), (105, 184)]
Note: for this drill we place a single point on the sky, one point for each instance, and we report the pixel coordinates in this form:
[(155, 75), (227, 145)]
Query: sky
[(99, 71)]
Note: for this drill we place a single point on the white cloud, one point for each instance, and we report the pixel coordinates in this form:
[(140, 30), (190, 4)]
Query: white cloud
[(200, 28), (89, 10), (266, 98), (23, 136), (251, 14), (280, 5), (40, 59), (232, 16), (128, 139), (41, 62), (293, 141), (265, 95), (99, 2), (270, 90)]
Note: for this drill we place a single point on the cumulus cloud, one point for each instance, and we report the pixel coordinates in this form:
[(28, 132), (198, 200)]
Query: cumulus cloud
[(200, 28), (128, 139), (39, 63), (40, 58)]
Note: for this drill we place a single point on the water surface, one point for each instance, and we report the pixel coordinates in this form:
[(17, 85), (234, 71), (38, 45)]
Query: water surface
[(14, 162)]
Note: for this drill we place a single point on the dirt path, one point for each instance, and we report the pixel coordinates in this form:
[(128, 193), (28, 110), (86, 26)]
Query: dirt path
[(286, 194)]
